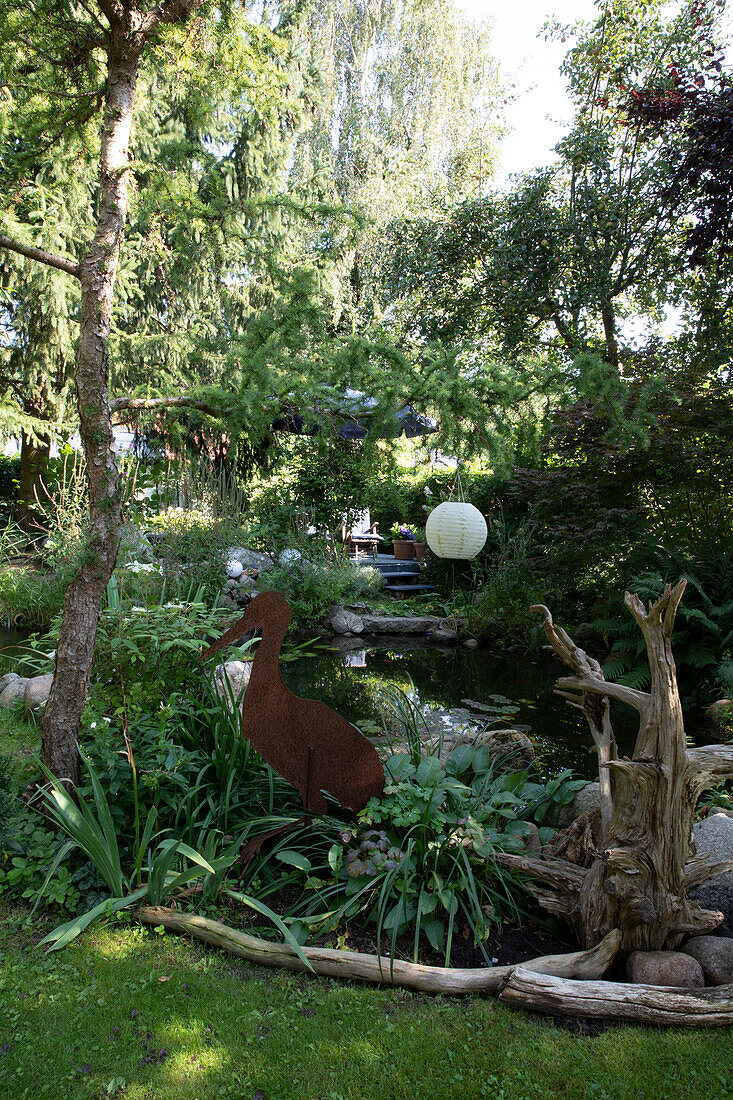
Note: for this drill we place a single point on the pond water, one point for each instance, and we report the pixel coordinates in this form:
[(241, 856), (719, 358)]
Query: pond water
[(346, 673), (346, 679)]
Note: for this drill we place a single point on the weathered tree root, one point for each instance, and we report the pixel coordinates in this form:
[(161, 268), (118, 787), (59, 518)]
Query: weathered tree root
[(641, 1004), (375, 968)]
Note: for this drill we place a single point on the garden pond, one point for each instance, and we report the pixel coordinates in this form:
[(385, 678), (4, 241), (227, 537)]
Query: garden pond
[(347, 673)]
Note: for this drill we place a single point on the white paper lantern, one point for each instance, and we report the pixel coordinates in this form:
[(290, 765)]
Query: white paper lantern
[(455, 530)]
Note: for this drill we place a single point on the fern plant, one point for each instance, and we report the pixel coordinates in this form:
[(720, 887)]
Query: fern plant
[(703, 636)]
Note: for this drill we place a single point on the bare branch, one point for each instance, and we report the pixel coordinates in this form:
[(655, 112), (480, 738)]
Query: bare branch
[(639, 700), (121, 403), (43, 257)]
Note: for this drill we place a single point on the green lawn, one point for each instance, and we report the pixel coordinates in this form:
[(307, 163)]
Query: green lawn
[(126, 1012)]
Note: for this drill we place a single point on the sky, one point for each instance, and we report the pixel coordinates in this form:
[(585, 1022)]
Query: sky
[(540, 113)]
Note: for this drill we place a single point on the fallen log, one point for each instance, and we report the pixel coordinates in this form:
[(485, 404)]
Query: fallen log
[(375, 968), (640, 1004)]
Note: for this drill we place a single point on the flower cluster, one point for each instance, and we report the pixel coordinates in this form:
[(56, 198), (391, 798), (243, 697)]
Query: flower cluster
[(372, 854)]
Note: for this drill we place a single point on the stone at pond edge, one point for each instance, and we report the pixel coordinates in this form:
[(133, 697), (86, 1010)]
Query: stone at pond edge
[(470, 643), (7, 679), (250, 559), (231, 679), (512, 744), (445, 636), (715, 955), (713, 838), (669, 968), (346, 622), (37, 691), (13, 693)]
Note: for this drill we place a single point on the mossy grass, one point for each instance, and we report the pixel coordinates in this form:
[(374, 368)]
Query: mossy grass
[(126, 1012)]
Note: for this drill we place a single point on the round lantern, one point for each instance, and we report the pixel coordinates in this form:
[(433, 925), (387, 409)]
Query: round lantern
[(455, 530)]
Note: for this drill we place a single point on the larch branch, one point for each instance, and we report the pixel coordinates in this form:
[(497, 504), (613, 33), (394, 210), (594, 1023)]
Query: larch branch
[(41, 256)]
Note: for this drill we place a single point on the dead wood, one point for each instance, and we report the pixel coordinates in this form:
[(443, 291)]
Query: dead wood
[(641, 1004), (374, 968)]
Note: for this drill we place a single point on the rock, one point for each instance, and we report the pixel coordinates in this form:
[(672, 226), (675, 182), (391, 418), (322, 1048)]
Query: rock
[(715, 955), (346, 622), (253, 594), (470, 643), (713, 838), (242, 599), (720, 711), (234, 569), (586, 800), (444, 636), (250, 559), (231, 679), (7, 679), (398, 624), (231, 583), (37, 691), (668, 968), (509, 743), (532, 840), (13, 693)]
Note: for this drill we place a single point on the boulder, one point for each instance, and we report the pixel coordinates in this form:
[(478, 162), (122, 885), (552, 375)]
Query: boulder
[(231, 679), (510, 743), (8, 678), (13, 692), (586, 800), (715, 955), (668, 968), (37, 691), (470, 643), (445, 636), (713, 838), (346, 622), (399, 624), (250, 559), (720, 711)]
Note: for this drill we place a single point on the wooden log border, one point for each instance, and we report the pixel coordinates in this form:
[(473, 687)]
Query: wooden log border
[(557, 985)]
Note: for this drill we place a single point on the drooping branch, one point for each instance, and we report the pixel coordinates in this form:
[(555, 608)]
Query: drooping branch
[(40, 254)]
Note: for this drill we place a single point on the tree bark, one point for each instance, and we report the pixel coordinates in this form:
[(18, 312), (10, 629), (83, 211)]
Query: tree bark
[(645, 865)]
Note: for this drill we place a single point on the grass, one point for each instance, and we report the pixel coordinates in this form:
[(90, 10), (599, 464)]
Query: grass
[(130, 1013), (127, 1012)]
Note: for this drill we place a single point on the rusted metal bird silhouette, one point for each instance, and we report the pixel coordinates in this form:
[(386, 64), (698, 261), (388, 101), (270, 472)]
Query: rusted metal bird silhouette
[(314, 748)]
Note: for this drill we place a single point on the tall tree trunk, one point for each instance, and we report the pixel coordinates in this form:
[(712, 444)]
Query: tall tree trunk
[(33, 462), (78, 633)]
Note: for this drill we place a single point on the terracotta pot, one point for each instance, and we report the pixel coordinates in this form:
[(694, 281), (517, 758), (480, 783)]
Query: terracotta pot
[(421, 549), (403, 549)]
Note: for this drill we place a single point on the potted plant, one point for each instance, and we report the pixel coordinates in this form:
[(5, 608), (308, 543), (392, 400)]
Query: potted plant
[(420, 545), (403, 541)]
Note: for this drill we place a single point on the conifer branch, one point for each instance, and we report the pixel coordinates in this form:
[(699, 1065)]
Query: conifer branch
[(43, 257), (121, 403)]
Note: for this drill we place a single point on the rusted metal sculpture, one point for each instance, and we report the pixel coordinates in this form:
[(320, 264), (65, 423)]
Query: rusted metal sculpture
[(310, 745)]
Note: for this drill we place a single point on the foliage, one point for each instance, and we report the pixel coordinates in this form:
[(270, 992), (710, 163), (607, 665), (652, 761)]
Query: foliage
[(703, 635), (190, 551), (312, 585), (95, 834)]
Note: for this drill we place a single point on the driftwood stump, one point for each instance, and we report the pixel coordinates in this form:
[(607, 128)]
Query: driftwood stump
[(645, 865)]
